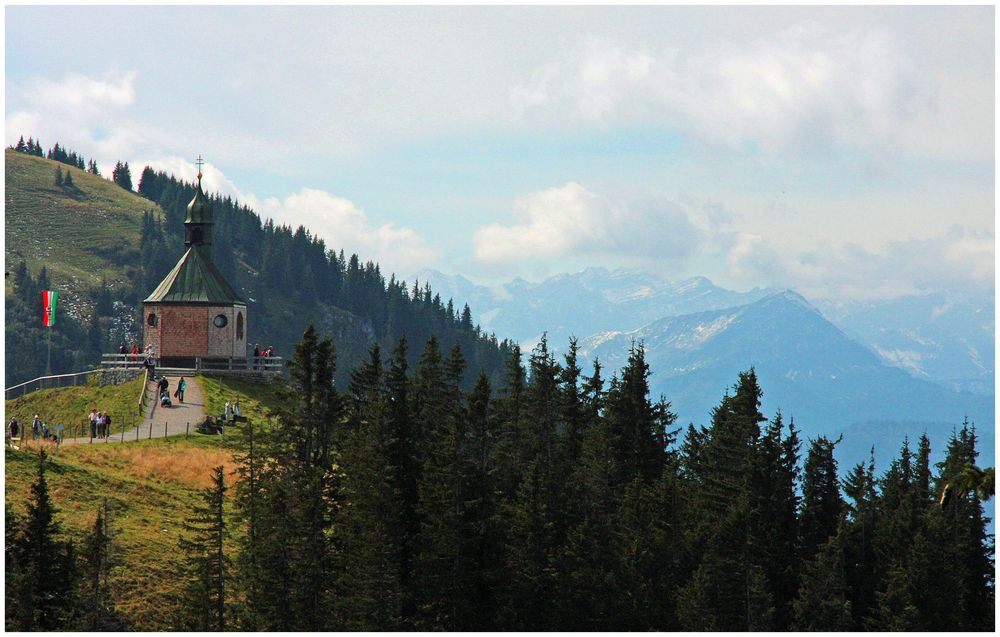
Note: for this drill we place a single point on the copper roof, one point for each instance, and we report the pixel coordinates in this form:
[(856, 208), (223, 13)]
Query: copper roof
[(195, 279)]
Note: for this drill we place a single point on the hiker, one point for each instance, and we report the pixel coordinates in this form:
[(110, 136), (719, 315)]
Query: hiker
[(135, 351), (12, 428), (256, 356), (107, 424), (164, 399), (236, 407), (36, 427), (164, 384), (229, 411), (181, 386), (121, 348), (93, 423), (45, 431)]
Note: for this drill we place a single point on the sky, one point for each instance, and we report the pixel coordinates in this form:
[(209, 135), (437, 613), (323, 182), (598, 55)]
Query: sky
[(845, 152)]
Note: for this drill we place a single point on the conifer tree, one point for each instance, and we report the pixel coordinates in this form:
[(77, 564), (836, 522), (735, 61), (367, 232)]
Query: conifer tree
[(45, 571), (774, 487), (861, 560), (966, 548), (372, 532), (59, 177), (822, 506), (445, 571), (728, 590), (95, 593), (122, 176), (206, 566), (823, 602)]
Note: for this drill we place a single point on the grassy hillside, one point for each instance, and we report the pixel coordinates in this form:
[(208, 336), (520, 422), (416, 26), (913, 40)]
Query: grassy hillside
[(150, 486), (256, 400), (70, 406), (81, 234)]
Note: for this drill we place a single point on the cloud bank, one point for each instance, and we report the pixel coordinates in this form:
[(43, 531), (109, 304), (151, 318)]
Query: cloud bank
[(572, 220), (805, 89), (341, 224)]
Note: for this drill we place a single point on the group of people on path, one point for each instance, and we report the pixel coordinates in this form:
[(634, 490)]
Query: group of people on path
[(39, 429), (100, 424), (163, 389)]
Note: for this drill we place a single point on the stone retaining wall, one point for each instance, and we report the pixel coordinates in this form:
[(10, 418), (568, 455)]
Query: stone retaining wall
[(119, 376)]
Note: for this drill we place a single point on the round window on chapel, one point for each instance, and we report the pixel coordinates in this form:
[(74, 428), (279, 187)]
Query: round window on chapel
[(220, 320)]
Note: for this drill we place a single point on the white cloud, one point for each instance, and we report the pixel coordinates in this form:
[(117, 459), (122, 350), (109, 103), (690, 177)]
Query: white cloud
[(341, 224), (959, 259), (213, 179), (83, 113), (806, 88), (570, 220)]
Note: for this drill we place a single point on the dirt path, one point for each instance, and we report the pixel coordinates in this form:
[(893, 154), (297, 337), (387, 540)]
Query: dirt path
[(161, 421)]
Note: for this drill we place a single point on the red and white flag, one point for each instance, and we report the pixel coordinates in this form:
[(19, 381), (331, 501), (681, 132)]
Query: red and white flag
[(49, 298)]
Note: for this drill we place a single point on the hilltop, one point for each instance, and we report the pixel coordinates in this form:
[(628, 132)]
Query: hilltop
[(83, 234)]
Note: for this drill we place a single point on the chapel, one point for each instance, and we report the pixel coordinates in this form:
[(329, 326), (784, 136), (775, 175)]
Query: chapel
[(194, 312)]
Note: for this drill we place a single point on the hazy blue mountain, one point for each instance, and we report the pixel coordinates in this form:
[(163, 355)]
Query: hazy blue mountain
[(945, 337), (808, 367), (583, 303)]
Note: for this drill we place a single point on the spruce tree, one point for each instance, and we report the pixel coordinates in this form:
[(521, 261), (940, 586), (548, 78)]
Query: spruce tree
[(775, 523), (372, 531), (206, 570), (822, 506), (861, 559), (823, 602), (95, 593), (47, 574)]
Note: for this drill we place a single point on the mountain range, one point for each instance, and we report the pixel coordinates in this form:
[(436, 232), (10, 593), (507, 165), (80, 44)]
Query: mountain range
[(889, 368)]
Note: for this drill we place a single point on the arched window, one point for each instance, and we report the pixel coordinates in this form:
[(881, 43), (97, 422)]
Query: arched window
[(239, 326), (151, 319)]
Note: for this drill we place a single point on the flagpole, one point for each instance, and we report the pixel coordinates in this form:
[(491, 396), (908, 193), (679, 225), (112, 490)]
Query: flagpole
[(48, 357)]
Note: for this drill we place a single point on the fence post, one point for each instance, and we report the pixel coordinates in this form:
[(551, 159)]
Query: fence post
[(164, 428), (150, 430), (187, 430)]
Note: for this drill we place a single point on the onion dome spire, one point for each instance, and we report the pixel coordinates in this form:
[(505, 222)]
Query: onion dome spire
[(198, 221)]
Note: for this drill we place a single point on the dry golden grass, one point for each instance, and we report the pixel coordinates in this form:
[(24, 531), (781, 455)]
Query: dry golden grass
[(188, 466)]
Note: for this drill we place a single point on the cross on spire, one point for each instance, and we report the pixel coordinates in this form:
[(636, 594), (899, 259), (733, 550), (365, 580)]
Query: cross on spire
[(200, 162)]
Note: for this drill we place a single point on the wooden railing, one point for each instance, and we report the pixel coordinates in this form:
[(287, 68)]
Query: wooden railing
[(125, 361), (272, 364)]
